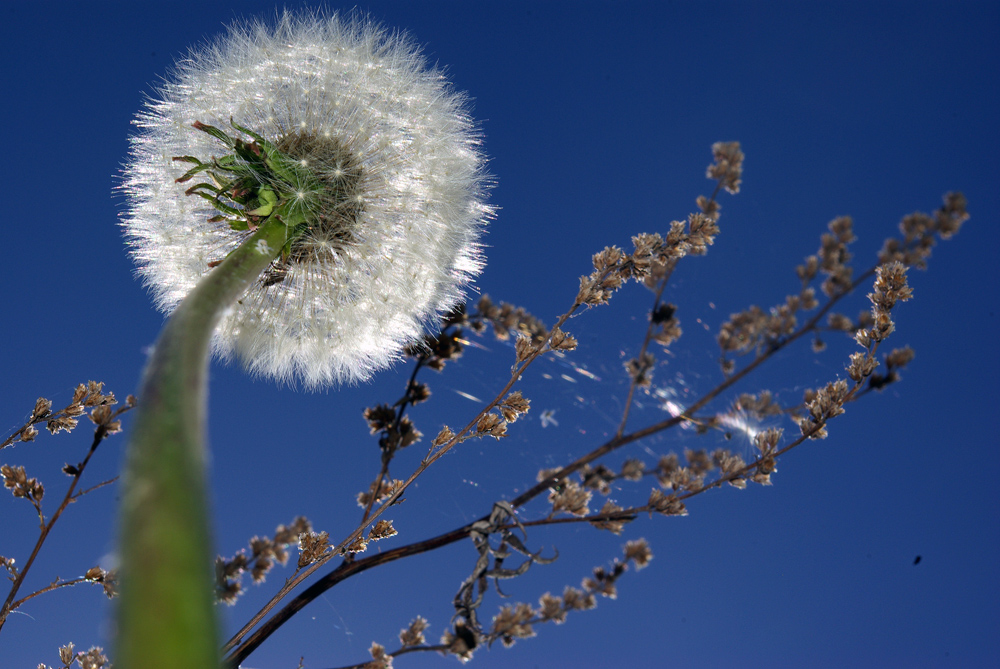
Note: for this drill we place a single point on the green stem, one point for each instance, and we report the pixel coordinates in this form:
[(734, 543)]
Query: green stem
[(166, 615)]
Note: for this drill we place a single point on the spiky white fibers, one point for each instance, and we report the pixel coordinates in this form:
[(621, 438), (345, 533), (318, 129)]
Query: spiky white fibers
[(349, 311)]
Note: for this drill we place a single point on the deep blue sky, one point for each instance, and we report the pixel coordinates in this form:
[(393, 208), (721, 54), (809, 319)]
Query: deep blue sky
[(598, 120)]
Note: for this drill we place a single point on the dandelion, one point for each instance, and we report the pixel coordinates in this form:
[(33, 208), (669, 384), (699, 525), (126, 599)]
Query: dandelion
[(394, 216), (336, 207)]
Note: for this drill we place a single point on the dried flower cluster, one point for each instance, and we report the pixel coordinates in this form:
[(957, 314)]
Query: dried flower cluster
[(264, 553), (517, 621), (106, 418), (85, 396), (728, 166), (379, 492), (92, 659), (414, 634), (652, 260), (920, 230)]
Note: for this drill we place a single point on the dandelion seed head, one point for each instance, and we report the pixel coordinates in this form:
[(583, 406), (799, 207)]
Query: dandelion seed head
[(395, 220), (742, 422)]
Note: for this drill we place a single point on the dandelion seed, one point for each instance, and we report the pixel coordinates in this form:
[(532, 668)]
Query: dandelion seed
[(468, 396), (394, 216)]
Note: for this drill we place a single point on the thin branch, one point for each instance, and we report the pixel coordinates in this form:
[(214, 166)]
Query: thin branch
[(244, 648), (49, 588), (10, 605)]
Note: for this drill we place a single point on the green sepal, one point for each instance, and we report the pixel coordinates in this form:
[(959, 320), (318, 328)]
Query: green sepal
[(214, 132), (269, 199)]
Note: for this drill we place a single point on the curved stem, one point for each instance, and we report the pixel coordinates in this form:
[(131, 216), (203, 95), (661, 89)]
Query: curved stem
[(166, 614)]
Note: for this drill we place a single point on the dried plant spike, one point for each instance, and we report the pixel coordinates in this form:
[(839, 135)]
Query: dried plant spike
[(728, 166), (16, 480), (413, 635)]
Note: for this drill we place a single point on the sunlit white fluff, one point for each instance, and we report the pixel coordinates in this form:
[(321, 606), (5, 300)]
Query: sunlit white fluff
[(345, 312)]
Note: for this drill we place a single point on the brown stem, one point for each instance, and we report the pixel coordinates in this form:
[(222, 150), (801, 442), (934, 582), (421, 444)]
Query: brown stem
[(243, 648), (342, 572), (49, 588)]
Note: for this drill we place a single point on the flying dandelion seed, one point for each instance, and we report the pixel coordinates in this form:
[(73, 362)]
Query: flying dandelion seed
[(468, 396), (742, 422)]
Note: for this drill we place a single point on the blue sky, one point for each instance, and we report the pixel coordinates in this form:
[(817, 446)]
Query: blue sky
[(598, 120)]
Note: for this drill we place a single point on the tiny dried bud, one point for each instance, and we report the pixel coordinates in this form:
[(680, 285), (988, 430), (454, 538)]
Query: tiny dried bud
[(766, 441), (385, 490), (414, 634), (312, 546), (569, 497), (523, 348), (899, 357), (827, 403), (43, 408), (807, 272), (728, 166), (512, 623), (418, 392), (615, 526), (576, 600), (632, 469), (708, 207), (861, 367), (66, 655), (380, 417), (62, 423), (443, 437), (380, 659), (639, 553), (640, 370), (20, 485), (562, 341), (359, 545), (514, 406), (668, 505), (550, 608), (491, 425), (383, 529)]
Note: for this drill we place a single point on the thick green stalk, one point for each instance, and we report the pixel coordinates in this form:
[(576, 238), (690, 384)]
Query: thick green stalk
[(166, 614)]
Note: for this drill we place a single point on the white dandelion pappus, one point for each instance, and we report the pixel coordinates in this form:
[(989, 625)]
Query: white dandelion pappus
[(359, 108)]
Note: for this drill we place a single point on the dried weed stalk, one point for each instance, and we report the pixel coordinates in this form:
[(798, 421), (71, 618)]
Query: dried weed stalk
[(88, 399)]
